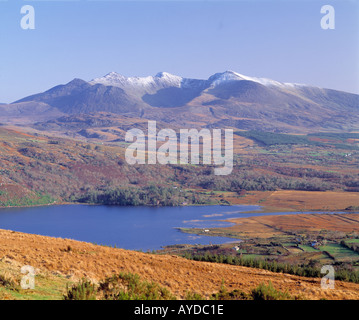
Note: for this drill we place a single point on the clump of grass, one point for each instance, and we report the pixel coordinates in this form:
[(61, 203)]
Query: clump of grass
[(85, 290), (128, 286), (231, 295), (224, 294), (68, 249), (7, 281), (193, 296), (268, 292)]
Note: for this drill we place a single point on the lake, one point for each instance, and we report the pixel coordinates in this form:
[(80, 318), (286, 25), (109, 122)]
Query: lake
[(134, 228)]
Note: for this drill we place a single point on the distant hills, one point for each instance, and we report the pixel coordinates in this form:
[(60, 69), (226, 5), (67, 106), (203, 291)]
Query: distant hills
[(226, 99)]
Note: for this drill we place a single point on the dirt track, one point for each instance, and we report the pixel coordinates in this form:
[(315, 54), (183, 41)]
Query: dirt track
[(177, 274)]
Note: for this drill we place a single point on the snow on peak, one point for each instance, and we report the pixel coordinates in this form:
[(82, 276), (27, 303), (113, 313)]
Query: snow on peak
[(166, 75), (109, 79), (226, 76), (147, 84), (218, 78), (167, 78), (161, 80)]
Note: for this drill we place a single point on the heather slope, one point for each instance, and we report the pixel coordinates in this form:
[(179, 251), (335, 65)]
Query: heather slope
[(72, 260)]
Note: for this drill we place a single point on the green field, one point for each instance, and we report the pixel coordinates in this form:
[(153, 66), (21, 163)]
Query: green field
[(339, 252), (307, 248), (337, 140)]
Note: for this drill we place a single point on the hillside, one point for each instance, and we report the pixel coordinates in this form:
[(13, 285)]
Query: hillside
[(76, 170), (60, 261)]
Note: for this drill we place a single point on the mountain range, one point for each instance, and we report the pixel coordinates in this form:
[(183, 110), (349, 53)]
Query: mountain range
[(227, 99)]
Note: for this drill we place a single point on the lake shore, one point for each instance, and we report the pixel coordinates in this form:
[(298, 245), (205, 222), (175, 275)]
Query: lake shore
[(267, 226), (272, 201)]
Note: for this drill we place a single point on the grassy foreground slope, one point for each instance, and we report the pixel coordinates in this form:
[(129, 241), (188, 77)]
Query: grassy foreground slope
[(61, 261)]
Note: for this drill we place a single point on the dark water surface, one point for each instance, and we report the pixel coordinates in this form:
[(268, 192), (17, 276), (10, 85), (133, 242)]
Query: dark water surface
[(135, 228)]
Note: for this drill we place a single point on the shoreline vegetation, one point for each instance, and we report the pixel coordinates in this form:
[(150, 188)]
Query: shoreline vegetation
[(157, 197), (154, 195), (151, 195)]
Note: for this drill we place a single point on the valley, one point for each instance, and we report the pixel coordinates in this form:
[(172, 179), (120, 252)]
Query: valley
[(295, 150)]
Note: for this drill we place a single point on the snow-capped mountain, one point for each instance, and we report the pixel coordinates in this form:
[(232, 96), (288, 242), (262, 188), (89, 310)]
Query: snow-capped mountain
[(224, 99), (161, 80)]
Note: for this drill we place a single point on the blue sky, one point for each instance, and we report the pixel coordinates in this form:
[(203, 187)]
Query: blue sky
[(281, 40)]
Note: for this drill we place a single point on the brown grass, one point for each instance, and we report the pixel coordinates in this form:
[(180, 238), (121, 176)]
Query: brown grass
[(299, 200), (76, 259), (269, 226)]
